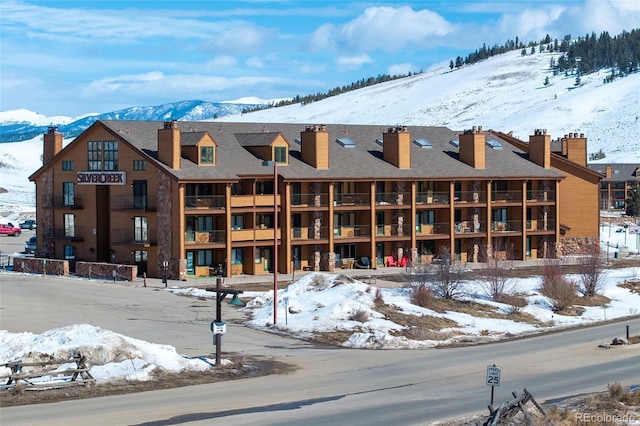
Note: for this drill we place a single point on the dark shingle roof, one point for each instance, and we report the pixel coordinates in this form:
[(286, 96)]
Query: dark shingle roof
[(362, 162), (619, 172)]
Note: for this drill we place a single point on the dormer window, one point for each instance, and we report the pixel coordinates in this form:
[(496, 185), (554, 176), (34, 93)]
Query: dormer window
[(280, 154), (207, 155)]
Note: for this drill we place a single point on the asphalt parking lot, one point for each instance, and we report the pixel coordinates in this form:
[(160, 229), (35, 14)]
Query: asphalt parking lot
[(11, 246)]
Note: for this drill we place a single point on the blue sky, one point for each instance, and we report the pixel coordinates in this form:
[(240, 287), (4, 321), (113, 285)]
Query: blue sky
[(76, 57)]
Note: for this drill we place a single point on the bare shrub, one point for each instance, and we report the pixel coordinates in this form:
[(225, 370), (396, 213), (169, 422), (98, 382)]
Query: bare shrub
[(421, 295), (514, 309), (360, 316), (378, 300), (591, 270), (446, 277), (497, 272), (615, 391), (561, 291)]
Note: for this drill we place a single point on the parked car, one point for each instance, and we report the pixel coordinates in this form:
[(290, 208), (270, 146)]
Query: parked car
[(9, 229), (31, 245), (28, 224)]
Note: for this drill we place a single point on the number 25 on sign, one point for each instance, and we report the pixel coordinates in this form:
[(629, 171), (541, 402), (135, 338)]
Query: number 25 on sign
[(493, 375)]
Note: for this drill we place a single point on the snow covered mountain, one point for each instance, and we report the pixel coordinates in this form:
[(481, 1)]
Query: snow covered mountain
[(505, 92), (20, 125)]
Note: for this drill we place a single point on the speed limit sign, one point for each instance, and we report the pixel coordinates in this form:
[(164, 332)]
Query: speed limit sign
[(493, 375)]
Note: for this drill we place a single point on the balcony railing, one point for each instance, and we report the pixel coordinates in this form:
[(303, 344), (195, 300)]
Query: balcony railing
[(64, 233), (309, 200), (50, 201), (205, 202), (355, 199), (393, 230), (352, 231), (432, 229), (469, 227), (431, 197), (470, 197), (541, 195), (205, 237), (131, 236), (541, 225), (134, 202), (506, 196), (393, 198), (506, 226), (309, 233)]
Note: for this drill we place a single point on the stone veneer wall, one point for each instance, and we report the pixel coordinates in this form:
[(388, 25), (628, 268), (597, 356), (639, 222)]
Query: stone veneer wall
[(574, 245), (45, 220), (105, 270), (165, 230), (35, 265)]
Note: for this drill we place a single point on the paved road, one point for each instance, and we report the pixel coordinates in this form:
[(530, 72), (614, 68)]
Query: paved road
[(330, 385)]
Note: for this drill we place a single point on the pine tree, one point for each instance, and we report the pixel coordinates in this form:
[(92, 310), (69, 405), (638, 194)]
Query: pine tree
[(451, 64), (546, 81)]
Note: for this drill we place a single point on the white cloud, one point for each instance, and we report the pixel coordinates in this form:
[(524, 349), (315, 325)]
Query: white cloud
[(221, 61), (392, 29), (254, 62), (401, 69), (353, 61)]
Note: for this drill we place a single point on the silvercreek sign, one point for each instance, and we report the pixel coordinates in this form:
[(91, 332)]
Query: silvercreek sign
[(102, 178)]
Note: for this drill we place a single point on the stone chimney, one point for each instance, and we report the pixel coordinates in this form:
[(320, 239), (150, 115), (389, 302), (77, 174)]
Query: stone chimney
[(314, 146), (574, 148), (169, 144), (52, 144), (540, 148), (472, 147), (396, 147)]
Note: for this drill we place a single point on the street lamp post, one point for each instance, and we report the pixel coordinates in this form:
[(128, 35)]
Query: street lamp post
[(275, 237)]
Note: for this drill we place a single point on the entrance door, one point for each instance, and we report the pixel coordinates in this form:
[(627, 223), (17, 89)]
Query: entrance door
[(140, 260)]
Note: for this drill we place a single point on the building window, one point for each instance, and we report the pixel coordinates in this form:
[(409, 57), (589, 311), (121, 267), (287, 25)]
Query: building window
[(68, 194), (139, 165), (205, 223), (102, 155), (280, 154), (94, 155), (205, 257), (67, 166), (237, 222), (237, 256), (111, 155), (69, 225), (140, 231), (69, 252), (207, 155)]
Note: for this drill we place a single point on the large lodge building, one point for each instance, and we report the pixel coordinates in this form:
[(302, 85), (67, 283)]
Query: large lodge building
[(182, 198)]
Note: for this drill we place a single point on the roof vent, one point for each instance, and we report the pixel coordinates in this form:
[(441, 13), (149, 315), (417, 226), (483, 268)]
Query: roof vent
[(380, 142), (455, 142)]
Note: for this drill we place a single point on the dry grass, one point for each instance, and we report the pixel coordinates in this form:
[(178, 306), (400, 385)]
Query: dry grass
[(631, 285), (597, 300)]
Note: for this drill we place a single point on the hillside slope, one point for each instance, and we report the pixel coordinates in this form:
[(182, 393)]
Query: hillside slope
[(505, 92)]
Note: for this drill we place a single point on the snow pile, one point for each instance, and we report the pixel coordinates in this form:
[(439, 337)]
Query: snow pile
[(109, 355)]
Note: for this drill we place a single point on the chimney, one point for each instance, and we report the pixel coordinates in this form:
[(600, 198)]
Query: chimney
[(314, 146), (396, 147), (52, 144), (574, 147), (169, 144), (608, 171), (540, 148), (472, 149)]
